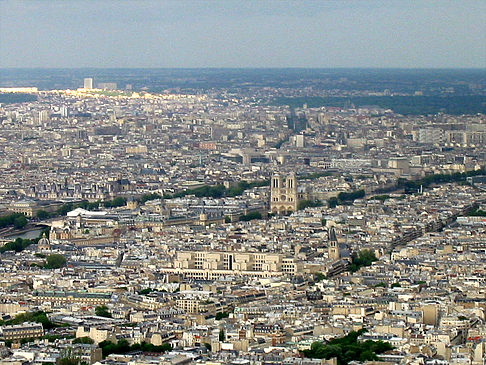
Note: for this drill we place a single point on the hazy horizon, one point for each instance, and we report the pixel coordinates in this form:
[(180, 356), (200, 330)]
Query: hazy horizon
[(251, 34), (246, 68)]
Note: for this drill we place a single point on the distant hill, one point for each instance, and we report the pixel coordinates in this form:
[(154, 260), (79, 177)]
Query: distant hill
[(406, 105)]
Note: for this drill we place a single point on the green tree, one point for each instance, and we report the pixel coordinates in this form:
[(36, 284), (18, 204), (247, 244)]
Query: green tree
[(221, 315), (364, 258), (38, 317), (102, 311), (147, 197), (83, 340), (20, 222), (55, 261), (308, 204), (477, 213), (347, 349), (122, 347), (145, 291), (250, 216), (342, 197), (117, 202), (20, 244), (10, 219), (42, 214), (332, 202)]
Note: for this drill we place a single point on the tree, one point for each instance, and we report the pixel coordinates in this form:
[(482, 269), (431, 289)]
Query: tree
[(221, 335), (55, 261), (477, 213), (347, 349), (20, 222), (38, 317), (10, 219), (221, 315), (250, 216), (147, 197), (308, 204), (102, 311), (117, 202), (122, 347), (42, 214), (83, 340), (69, 357), (364, 258), (333, 202), (145, 291), (351, 196)]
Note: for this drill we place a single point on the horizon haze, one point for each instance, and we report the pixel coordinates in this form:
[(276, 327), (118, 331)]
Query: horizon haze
[(250, 34)]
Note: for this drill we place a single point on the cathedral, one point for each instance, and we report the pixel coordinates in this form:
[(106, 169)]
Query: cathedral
[(284, 196)]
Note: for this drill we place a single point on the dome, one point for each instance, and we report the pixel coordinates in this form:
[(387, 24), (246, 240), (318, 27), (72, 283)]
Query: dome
[(44, 243)]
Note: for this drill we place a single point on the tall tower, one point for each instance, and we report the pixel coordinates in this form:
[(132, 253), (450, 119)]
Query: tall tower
[(333, 249), (88, 83), (64, 111), (43, 116), (283, 191)]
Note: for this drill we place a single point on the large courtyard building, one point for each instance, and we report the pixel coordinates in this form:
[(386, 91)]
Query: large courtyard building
[(211, 265)]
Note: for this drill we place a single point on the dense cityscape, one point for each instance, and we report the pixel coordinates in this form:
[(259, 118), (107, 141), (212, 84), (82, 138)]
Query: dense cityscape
[(256, 182), (243, 223)]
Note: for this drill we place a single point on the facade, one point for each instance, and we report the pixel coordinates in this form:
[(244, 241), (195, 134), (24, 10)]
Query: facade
[(20, 331), (26, 207), (211, 265), (61, 297), (97, 334), (30, 207), (284, 195), (88, 83), (433, 136)]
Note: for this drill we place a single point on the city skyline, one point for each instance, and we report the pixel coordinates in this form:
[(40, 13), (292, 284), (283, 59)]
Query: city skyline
[(290, 182)]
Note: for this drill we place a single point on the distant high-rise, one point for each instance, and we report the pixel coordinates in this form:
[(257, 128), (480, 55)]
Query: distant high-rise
[(300, 141), (107, 85), (43, 116), (88, 83), (64, 111)]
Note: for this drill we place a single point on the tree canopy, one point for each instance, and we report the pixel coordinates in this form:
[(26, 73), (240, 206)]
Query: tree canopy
[(55, 261), (363, 258), (122, 347), (347, 349), (102, 311), (18, 220)]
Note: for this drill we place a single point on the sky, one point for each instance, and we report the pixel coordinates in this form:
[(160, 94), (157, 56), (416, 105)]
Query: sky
[(243, 33)]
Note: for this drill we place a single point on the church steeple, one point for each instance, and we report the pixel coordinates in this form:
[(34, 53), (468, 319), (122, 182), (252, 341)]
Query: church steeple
[(333, 248)]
